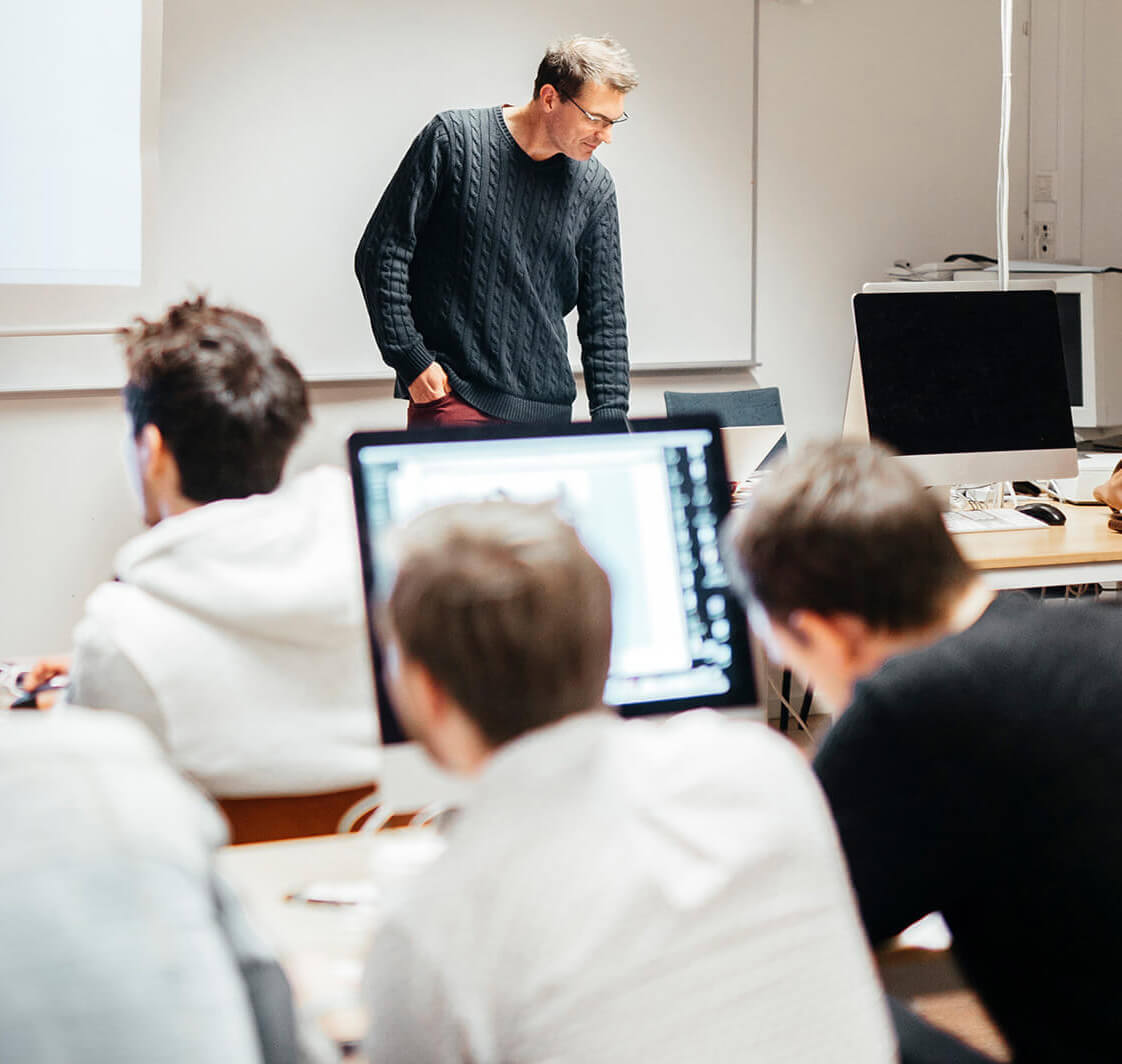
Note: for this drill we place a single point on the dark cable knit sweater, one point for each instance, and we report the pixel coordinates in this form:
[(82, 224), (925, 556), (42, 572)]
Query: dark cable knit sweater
[(474, 256)]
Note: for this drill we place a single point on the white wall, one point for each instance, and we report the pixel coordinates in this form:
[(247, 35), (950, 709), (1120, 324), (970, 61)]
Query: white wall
[(1102, 134), (1076, 123), (281, 121), (67, 506), (65, 511), (878, 125)]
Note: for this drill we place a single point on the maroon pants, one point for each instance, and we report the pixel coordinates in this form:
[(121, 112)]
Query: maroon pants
[(449, 409)]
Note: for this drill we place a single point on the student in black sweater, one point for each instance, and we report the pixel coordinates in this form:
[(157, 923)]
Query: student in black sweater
[(977, 770), (497, 223)]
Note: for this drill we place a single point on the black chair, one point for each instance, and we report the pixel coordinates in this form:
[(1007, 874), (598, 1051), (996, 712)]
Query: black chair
[(745, 406)]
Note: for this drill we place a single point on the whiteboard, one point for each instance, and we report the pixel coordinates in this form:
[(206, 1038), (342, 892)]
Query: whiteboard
[(78, 356), (61, 223), (280, 122)]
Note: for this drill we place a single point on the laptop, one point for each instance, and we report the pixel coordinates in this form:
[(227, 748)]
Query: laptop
[(646, 498)]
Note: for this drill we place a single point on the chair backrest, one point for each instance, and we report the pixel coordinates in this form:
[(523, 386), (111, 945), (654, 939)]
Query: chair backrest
[(747, 406), (745, 409), (289, 816)]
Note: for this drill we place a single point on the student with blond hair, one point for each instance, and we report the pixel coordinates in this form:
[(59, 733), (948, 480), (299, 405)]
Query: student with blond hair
[(612, 890)]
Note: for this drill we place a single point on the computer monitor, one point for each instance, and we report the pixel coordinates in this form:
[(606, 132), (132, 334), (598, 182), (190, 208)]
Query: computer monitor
[(968, 386), (646, 498), (1090, 308)]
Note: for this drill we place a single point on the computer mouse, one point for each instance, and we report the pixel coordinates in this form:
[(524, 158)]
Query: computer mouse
[(1043, 511)]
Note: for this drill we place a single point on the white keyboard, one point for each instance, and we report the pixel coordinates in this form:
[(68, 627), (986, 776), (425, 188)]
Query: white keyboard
[(990, 520)]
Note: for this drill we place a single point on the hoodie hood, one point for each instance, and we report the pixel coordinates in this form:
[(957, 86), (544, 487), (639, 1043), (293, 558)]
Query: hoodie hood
[(245, 619), (284, 566)]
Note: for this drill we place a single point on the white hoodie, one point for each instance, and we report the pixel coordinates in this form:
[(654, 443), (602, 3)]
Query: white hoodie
[(237, 632)]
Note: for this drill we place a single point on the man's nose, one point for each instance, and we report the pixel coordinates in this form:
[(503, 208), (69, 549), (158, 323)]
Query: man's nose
[(605, 134)]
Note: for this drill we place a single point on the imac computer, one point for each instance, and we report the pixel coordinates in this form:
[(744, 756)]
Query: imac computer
[(968, 386), (1090, 308), (646, 497)]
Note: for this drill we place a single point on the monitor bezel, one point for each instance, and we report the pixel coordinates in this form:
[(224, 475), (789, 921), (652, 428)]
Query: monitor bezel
[(939, 469), (744, 685), (1085, 415)]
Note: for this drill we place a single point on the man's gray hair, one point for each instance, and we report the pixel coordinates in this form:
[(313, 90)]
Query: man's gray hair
[(569, 64)]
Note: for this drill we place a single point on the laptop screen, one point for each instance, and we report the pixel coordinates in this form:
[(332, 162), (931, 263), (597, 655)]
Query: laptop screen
[(646, 499)]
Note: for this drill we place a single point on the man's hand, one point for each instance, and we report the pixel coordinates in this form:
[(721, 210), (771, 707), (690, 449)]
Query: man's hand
[(41, 673), (430, 385)]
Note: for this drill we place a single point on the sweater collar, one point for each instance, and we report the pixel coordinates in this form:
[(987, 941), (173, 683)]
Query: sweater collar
[(553, 162)]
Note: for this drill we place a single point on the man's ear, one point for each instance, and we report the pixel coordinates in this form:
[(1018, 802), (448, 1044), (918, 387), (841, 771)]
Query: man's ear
[(843, 638), (450, 736), (152, 452), (549, 97), (864, 650), (160, 471), (428, 701)]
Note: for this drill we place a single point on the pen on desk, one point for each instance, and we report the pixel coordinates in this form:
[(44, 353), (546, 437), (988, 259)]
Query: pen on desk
[(304, 899)]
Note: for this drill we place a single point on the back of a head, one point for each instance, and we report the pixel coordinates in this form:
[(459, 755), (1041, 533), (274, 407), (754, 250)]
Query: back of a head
[(227, 402), (568, 64), (844, 528), (508, 612)]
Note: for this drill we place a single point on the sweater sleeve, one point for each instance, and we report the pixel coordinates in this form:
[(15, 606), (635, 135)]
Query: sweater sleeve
[(386, 249), (601, 322)]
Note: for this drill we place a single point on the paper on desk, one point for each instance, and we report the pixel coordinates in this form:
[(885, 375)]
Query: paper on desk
[(394, 856), (746, 446)]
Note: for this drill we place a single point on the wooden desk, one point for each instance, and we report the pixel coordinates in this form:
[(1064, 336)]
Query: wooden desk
[(323, 947), (918, 967), (1083, 551)]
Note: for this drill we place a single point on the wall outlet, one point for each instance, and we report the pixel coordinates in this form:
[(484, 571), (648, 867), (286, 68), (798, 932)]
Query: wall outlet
[(1044, 241), (1044, 187)]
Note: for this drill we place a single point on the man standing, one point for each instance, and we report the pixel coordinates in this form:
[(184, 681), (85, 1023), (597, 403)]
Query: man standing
[(976, 769), (612, 890), (499, 222)]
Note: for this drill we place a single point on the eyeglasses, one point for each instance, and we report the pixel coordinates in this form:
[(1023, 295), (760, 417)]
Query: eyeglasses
[(596, 120)]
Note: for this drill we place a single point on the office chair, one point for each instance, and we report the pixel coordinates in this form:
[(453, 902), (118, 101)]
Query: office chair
[(745, 406), (288, 816)]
